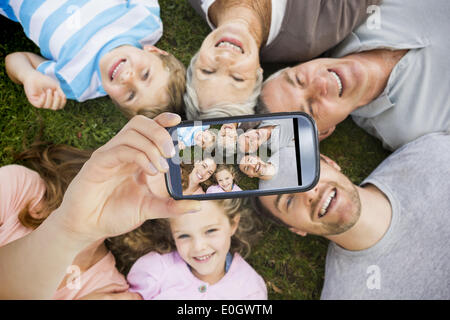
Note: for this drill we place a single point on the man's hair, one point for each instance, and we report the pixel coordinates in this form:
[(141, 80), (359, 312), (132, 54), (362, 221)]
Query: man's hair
[(193, 111), (262, 211), (261, 106), (175, 89)]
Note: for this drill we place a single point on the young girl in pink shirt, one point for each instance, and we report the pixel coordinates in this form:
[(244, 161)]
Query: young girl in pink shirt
[(194, 256), (225, 177)]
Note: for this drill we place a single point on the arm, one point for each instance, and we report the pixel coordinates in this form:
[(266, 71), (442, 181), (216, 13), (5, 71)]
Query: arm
[(20, 64), (108, 197), (41, 90)]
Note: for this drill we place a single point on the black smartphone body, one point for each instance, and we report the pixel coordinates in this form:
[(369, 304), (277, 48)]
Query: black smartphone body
[(244, 156)]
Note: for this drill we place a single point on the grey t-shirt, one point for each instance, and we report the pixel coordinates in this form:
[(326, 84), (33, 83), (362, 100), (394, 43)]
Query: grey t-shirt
[(282, 135), (416, 100), (286, 163), (412, 260)]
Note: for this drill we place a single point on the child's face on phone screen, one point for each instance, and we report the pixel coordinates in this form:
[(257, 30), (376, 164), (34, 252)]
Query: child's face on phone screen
[(225, 180), (203, 240)]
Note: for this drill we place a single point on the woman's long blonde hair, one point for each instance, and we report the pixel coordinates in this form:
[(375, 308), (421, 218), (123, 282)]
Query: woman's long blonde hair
[(155, 235)]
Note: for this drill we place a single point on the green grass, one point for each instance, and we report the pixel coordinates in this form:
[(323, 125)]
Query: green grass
[(292, 266)]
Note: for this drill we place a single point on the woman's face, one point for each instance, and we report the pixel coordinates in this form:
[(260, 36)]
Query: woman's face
[(226, 68), (203, 240), (202, 171), (228, 135), (205, 139), (225, 180)]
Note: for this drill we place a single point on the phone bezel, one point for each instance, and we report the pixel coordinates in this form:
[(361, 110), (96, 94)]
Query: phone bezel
[(308, 137)]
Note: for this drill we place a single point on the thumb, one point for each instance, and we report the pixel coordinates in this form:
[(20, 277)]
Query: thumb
[(168, 119), (154, 207)]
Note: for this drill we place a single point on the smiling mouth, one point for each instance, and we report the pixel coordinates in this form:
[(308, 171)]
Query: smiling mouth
[(324, 210), (257, 167), (338, 81), (199, 176), (204, 258), (230, 43), (115, 68)]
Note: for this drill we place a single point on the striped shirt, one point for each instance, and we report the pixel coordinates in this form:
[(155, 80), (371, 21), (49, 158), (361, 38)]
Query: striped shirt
[(187, 134), (73, 35)]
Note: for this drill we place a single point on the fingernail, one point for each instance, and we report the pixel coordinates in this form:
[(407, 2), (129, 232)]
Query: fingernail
[(163, 163), (152, 168), (169, 149), (173, 116)]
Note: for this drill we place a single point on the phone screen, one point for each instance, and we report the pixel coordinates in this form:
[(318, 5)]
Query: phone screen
[(239, 156)]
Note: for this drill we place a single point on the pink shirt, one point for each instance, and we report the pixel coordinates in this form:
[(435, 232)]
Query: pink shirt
[(216, 188), (19, 186), (167, 276)]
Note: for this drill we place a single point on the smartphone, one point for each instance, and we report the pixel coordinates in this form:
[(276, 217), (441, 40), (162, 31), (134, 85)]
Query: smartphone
[(244, 156)]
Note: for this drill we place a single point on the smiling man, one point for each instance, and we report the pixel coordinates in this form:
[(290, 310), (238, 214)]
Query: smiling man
[(389, 235), (391, 77), (254, 167)]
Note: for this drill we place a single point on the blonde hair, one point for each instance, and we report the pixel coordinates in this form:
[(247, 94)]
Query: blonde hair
[(155, 235), (192, 106), (228, 167), (175, 89)]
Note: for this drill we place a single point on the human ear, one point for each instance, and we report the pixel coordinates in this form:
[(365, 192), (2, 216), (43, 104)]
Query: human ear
[(330, 162), (151, 48), (298, 232), (325, 134), (235, 223)]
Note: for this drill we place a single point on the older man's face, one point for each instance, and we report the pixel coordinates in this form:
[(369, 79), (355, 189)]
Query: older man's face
[(327, 89), (331, 208), (254, 167), (250, 141), (226, 68)]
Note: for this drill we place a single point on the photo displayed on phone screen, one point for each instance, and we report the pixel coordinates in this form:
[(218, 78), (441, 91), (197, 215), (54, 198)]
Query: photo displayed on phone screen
[(235, 157)]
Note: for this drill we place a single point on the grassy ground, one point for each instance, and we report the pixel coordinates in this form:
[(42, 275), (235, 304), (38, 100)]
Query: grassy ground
[(293, 267)]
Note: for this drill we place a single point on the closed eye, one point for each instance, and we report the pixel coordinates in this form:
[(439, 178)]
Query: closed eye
[(131, 96), (238, 79), (299, 82), (206, 71), (145, 76), (310, 108), (289, 201), (211, 230)]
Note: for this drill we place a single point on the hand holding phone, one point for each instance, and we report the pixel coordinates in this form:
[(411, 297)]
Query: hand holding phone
[(228, 157)]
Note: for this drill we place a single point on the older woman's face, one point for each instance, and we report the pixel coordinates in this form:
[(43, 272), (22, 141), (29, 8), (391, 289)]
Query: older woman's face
[(226, 68), (327, 89), (203, 170)]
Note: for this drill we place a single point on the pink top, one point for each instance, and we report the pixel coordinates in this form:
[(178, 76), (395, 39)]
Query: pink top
[(20, 186), (167, 276), (216, 188)]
